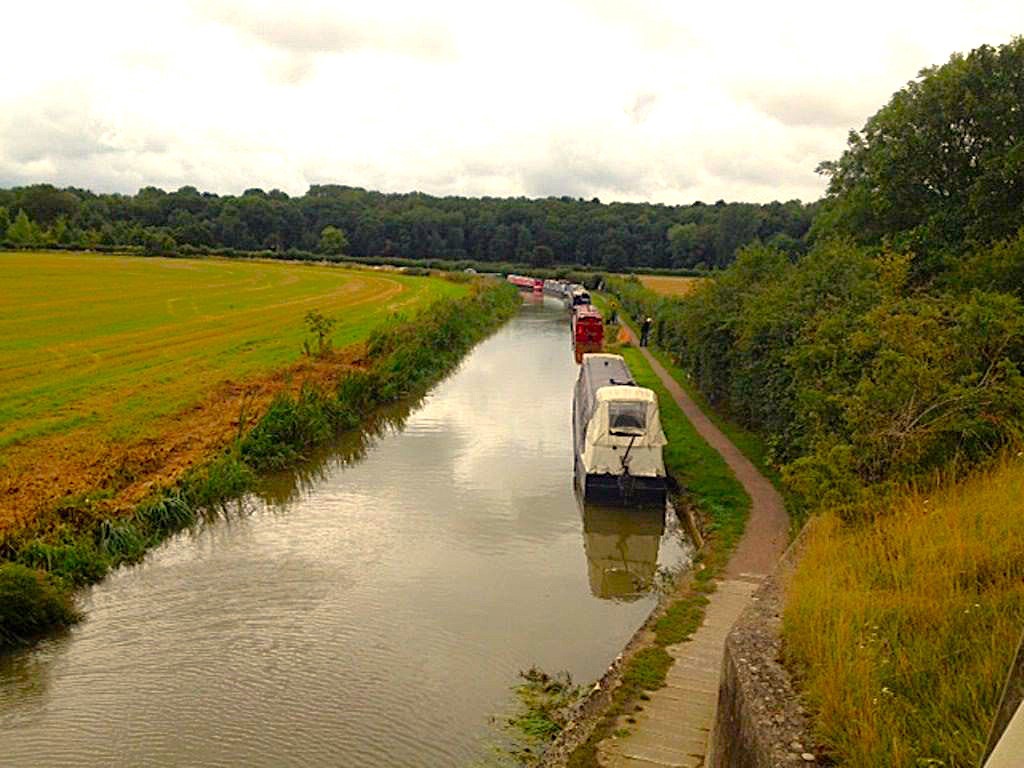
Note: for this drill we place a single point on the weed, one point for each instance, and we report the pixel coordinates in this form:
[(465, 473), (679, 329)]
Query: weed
[(902, 628)]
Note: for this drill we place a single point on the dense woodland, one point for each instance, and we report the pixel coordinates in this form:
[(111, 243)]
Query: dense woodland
[(894, 348), (334, 220)]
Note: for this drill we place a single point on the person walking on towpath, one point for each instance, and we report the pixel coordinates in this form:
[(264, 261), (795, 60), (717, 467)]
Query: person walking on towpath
[(645, 331)]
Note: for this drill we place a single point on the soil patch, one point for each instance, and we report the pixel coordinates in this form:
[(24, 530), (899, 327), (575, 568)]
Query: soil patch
[(36, 476)]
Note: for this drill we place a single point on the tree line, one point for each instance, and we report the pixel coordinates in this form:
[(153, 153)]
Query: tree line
[(894, 348), (333, 220)]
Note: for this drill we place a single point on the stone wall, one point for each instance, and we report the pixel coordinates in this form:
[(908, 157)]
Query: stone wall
[(760, 722)]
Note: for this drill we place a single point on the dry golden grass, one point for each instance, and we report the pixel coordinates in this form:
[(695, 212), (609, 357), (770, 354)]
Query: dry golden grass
[(668, 285), (904, 627)]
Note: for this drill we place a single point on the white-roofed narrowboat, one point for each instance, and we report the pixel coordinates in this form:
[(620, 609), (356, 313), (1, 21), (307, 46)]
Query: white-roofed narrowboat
[(617, 435)]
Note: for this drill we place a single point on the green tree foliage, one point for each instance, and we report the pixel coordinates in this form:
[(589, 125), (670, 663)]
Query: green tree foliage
[(320, 326), (23, 231), (5, 222), (156, 242), (542, 256), (940, 168), (333, 241), (416, 226), (856, 379)]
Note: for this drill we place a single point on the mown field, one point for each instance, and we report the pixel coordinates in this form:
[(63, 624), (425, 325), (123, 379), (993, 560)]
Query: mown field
[(101, 350), (668, 285)]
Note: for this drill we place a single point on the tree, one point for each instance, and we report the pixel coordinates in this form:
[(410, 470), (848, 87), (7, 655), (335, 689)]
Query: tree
[(542, 256), (23, 231), (158, 242), (940, 168), (5, 222), (333, 241), (320, 325), (682, 240)]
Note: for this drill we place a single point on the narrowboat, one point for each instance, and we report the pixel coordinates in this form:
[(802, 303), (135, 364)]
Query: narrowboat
[(587, 330), (617, 435), (578, 295), (556, 288), (523, 283)]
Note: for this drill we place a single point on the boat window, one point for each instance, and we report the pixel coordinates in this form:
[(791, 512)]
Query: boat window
[(627, 418)]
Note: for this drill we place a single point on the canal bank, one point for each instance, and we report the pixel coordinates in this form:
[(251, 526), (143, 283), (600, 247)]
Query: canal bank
[(373, 608), (81, 539), (666, 718)]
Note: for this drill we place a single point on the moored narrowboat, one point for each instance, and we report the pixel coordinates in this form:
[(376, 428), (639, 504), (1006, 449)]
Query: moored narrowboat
[(617, 435), (587, 330), (523, 283)]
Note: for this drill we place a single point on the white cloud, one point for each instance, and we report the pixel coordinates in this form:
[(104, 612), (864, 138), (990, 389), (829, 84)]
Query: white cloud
[(627, 100)]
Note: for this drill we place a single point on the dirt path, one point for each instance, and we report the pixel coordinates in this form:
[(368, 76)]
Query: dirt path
[(672, 728), (767, 531)]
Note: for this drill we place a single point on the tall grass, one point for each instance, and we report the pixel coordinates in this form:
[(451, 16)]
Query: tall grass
[(903, 626), (76, 544)]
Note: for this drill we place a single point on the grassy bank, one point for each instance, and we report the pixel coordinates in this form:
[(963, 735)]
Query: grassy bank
[(118, 372), (903, 626), (77, 543), (707, 484)]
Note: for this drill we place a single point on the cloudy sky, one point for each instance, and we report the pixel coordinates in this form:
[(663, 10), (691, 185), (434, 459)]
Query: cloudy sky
[(669, 101)]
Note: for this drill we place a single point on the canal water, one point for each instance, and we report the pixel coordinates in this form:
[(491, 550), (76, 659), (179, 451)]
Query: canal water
[(372, 609)]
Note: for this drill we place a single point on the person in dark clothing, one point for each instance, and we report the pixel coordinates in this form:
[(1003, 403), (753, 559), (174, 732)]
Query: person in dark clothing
[(645, 331)]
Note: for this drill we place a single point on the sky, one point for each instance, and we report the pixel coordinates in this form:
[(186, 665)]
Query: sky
[(667, 102)]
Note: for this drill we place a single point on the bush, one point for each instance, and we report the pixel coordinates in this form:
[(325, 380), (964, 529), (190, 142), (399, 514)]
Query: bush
[(30, 604), (856, 380)]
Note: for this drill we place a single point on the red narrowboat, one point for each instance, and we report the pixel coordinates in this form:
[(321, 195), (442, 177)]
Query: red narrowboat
[(587, 330), (523, 283)]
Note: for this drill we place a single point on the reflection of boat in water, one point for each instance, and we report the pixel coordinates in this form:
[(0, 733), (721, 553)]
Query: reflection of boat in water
[(622, 549)]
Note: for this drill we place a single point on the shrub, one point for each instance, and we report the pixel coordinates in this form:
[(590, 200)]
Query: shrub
[(30, 604)]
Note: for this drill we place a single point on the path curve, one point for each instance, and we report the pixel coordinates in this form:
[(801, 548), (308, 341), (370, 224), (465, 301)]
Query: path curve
[(673, 727)]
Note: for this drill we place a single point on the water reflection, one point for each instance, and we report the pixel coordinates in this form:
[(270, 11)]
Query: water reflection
[(280, 489), (622, 547)]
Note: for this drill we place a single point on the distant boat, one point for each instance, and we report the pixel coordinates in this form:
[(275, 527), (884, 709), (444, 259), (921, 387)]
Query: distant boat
[(617, 435), (578, 296), (523, 283)]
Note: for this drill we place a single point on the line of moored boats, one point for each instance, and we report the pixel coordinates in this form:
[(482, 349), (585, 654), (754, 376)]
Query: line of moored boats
[(617, 433)]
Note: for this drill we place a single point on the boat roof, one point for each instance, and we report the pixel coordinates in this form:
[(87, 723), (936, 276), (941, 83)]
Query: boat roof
[(628, 394)]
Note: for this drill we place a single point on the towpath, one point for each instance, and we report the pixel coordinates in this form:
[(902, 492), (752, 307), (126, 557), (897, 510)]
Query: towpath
[(673, 727)]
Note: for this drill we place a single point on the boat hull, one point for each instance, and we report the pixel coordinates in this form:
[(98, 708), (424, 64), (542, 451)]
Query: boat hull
[(622, 489)]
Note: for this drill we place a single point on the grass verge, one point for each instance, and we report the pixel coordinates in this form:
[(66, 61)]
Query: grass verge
[(76, 543), (902, 627)]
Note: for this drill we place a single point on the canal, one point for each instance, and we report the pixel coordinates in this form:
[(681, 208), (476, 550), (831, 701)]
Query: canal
[(373, 608)]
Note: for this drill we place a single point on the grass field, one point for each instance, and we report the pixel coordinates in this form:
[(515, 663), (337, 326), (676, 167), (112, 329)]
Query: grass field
[(100, 349), (668, 285)]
